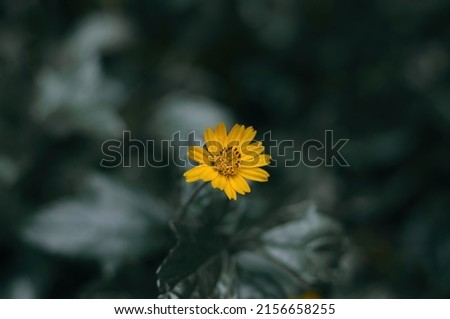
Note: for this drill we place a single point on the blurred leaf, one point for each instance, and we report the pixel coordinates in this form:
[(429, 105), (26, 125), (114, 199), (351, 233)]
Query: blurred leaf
[(75, 95), (21, 288), (184, 113), (108, 223), (79, 98), (208, 271), (259, 278), (97, 33), (309, 246)]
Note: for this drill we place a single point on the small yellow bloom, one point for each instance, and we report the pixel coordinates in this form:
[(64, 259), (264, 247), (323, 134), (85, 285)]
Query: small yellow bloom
[(227, 160)]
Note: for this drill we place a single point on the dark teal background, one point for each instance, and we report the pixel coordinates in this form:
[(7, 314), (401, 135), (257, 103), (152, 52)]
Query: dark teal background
[(76, 73)]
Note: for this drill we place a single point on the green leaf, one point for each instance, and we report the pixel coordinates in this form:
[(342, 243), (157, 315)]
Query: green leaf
[(308, 246), (199, 266), (108, 222), (79, 99), (259, 278)]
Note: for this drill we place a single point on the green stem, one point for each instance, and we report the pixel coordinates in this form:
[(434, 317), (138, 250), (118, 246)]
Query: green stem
[(183, 209)]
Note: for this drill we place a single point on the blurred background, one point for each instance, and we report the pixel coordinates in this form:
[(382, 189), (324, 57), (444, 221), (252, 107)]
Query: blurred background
[(74, 74)]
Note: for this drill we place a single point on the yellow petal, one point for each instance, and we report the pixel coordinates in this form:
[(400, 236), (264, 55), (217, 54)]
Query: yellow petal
[(256, 147), (198, 154), (209, 174), (258, 161), (251, 151), (255, 144), (209, 135), (221, 134), (249, 134), (254, 174), (239, 184), (219, 182), (231, 193), (263, 160), (194, 174), (212, 142), (235, 135), (214, 147), (202, 172)]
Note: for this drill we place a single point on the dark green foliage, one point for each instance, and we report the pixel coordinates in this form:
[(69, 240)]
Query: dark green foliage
[(74, 74), (199, 266)]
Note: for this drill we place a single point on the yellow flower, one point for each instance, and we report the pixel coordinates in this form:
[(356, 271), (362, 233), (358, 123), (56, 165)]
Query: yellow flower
[(227, 160)]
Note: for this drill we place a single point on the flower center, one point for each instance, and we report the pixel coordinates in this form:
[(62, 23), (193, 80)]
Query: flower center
[(227, 161)]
